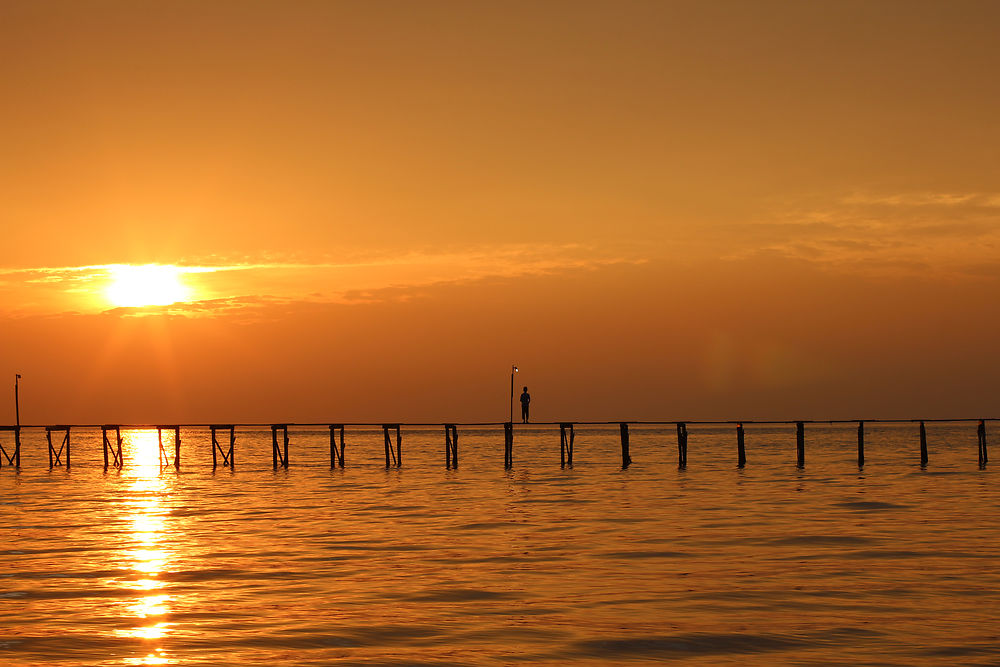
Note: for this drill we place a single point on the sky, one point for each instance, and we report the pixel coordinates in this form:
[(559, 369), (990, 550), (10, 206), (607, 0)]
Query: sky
[(367, 211)]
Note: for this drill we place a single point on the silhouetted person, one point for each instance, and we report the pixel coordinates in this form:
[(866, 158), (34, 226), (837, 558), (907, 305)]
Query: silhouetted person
[(525, 402)]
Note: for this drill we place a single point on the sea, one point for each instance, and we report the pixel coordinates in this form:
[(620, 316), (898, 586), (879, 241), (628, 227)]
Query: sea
[(543, 564)]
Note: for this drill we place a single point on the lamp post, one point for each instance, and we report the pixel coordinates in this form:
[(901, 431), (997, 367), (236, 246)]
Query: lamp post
[(513, 369), (17, 402)]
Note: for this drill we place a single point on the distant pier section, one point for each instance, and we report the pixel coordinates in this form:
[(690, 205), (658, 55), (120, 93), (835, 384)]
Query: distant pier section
[(224, 439)]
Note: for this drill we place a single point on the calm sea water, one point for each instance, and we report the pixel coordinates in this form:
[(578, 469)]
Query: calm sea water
[(893, 565)]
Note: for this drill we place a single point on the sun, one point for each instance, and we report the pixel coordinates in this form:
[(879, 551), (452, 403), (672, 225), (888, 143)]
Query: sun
[(146, 285)]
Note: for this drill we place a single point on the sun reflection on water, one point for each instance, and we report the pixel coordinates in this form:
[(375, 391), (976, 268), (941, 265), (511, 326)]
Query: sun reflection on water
[(147, 552)]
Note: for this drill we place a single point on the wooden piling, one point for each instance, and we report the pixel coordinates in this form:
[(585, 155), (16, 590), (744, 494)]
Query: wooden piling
[(117, 459), (562, 445), (508, 445), (626, 455), (55, 456), (228, 458), (393, 458), (800, 444), (566, 438), (118, 446), (741, 452), (276, 449), (385, 439), (163, 456), (336, 453), (981, 436), (861, 444), (682, 445), (923, 444), (274, 446), (14, 458), (450, 446)]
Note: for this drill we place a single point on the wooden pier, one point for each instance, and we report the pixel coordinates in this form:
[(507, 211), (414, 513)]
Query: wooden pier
[(223, 449)]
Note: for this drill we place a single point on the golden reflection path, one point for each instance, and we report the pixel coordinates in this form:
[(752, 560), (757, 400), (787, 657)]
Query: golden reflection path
[(147, 551)]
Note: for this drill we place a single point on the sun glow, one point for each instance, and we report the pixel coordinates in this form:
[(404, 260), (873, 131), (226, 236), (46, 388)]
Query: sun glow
[(146, 285)]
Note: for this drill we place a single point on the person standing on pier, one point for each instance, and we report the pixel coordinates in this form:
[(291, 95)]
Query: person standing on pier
[(525, 401)]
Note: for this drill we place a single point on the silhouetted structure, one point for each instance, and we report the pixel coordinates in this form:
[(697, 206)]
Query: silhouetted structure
[(164, 458), (277, 455), (111, 436), (861, 444), (450, 446), (397, 455), (55, 457), (508, 445), (923, 445), (682, 445), (13, 458), (566, 438), (336, 452), (115, 448), (228, 458), (741, 451), (800, 444), (626, 455), (981, 437)]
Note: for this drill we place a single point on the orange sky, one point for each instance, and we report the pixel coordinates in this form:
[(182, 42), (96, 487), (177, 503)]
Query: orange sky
[(657, 209)]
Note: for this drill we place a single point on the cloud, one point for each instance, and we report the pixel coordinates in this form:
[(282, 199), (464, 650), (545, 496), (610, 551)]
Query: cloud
[(925, 199), (941, 233), (220, 288)]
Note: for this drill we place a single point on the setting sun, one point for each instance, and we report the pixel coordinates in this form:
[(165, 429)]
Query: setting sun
[(146, 285)]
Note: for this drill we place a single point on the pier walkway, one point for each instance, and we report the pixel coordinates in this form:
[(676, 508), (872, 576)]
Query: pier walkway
[(223, 438)]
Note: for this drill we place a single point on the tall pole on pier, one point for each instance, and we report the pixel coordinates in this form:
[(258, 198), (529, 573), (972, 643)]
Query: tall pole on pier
[(513, 369), (17, 401)]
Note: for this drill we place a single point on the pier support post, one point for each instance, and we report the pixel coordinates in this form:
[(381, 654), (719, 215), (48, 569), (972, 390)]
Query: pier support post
[(115, 448), (566, 438), (391, 457), (508, 445), (228, 458), (276, 450), (741, 452), (626, 455), (981, 435), (55, 457), (682, 445), (800, 444), (13, 458), (450, 446), (164, 457), (861, 444), (923, 444), (336, 452)]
